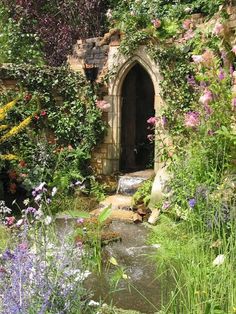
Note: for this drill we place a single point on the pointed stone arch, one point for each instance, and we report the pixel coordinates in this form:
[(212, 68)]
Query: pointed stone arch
[(122, 65)]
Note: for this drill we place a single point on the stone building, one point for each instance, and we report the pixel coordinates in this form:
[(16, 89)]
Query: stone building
[(133, 93)]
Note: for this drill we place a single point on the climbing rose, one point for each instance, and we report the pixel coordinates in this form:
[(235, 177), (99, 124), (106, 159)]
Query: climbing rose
[(218, 29), (192, 119), (206, 98), (152, 120), (103, 105), (156, 23)]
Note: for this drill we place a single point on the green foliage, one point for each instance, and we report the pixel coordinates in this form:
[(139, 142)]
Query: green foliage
[(4, 237), (66, 125), (143, 194), (16, 46)]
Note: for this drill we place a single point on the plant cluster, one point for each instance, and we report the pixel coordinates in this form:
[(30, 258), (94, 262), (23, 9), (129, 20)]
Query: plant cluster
[(66, 125), (48, 29)]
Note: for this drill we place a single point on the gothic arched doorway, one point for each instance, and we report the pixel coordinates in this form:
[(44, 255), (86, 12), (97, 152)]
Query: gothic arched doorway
[(137, 105)]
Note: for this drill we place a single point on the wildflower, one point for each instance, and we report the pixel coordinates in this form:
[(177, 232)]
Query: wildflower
[(206, 98), (36, 117), (156, 23), (187, 10), (30, 210), (38, 197), (152, 120), (54, 191), (192, 119), (187, 24), (210, 132), (221, 74), (26, 201), (165, 205), (218, 29), (22, 164), (219, 260), (93, 303), (103, 105), (19, 223), (48, 201), (3, 208), (10, 220), (43, 113), (80, 221), (16, 129), (197, 58), (192, 202), (47, 220)]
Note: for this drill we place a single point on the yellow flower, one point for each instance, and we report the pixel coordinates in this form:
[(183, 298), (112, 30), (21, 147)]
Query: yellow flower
[(8, 157), (16, 129), (7, 107), (3, 127)]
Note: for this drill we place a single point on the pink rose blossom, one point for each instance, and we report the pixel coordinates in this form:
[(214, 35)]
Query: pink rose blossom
[(10, 221), (192, 119), (103, 105), (152, 120)]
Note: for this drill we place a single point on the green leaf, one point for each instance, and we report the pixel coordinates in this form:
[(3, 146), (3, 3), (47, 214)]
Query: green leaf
[(104, 214)]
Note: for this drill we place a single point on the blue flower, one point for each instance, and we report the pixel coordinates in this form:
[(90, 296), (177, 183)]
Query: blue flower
[(192, 202)]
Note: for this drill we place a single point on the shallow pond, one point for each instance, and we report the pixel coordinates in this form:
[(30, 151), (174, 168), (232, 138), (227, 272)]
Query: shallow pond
[(144, 292)]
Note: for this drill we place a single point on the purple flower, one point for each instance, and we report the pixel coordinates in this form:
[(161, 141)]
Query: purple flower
[(80, 221), (192, 202), (218, 29), (221, 74), (30, 210)]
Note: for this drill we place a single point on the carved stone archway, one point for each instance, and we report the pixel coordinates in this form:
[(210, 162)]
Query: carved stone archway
[(121, 65)]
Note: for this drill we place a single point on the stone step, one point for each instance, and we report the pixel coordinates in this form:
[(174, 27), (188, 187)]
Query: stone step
[(129, 183)]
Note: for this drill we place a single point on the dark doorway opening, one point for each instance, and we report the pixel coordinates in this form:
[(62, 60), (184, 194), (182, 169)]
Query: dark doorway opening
[(137, 153)]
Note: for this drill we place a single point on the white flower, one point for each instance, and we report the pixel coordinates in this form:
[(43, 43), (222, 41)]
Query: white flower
[(26, 202), (47, 220), (219, 260), (93, 303), (109, 14), (54, 191)]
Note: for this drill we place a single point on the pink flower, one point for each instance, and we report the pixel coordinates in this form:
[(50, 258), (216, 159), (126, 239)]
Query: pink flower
[(187, 24), (234, 49), (206, 98), (103, 105), (189, 34), (197, 58), (192, 119), (152, 120), (43, 113), (150, 137), (218, 29), (156, 23), (10, 221)]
